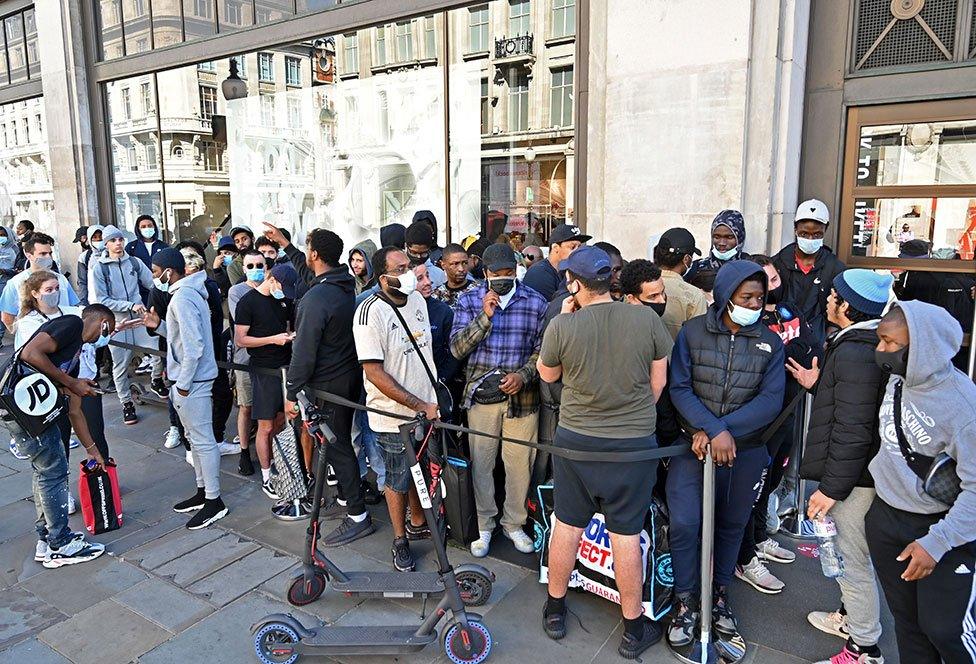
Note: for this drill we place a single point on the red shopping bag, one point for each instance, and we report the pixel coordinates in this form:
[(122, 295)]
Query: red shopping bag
[(101, 503)]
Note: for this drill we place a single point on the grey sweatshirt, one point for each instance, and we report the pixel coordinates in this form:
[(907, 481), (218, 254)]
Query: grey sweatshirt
[(938, 415), (190, 356)]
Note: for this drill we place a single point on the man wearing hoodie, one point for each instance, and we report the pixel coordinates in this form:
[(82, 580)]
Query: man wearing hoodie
[(360, 264), (324, 358), (8, 259), (115, 279), (807, 267), (923, 548), (148, 240), (192, 368), (393, 235), (95, 246), (728, 237), (841, 441), (421, 241), (727, 380)]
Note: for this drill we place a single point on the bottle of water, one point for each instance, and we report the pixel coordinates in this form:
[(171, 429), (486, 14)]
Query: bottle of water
[(831, 561)]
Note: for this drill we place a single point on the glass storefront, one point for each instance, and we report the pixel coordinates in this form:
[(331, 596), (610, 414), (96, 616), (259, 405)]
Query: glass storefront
[(19, 58), (351, 132), (25, 175)]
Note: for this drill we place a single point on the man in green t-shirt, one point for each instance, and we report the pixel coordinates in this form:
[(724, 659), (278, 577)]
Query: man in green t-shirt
[(612, 359)]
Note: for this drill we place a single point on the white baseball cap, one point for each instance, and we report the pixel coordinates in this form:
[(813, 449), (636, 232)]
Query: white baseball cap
[(812, 210)]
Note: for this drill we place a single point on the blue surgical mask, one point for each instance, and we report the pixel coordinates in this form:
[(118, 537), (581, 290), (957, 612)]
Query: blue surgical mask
[(98, 244), (255, 274), (742, 316), (3, 240), (162, 286), (148, 233), (102, 341), (278, 294), (228, 259), (808, 246), (282, 254), (725, 255)]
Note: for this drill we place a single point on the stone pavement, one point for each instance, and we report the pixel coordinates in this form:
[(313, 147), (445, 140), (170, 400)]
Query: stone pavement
[(163, 594)]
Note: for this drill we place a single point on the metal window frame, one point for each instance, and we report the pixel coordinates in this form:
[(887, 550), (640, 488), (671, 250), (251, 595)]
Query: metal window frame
[(883, 114)]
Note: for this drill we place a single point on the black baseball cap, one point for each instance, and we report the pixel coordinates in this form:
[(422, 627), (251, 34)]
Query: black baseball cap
[(566, 232), (286, 275), (81, 233), (588, 262), (679, 241), (498, 257)]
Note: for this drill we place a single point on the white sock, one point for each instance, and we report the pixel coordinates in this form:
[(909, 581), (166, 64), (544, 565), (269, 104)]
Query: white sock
[(341, 501), (265, 474), (359, 518)]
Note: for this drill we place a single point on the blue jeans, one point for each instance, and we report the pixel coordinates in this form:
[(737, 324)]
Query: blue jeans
[(367, 447), (50, 465), (736, 489)]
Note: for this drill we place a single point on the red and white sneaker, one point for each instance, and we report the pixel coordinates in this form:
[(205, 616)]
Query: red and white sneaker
[(848, 656)]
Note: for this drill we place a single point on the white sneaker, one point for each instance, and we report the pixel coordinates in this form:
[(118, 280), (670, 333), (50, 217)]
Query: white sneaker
[(757, 575), (521, 541), (16, 452), (74, 443), (189, 457), (172, 438), (771, 551), (145, 367), (227, 449), (479, 547), (77, 550), (72, 505), (831, 622), (40, 551)]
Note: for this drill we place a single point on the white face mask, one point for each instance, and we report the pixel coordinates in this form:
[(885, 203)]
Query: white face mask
[(724, 255), (742, 316), (408, 282), (162, 286), (808, 246)]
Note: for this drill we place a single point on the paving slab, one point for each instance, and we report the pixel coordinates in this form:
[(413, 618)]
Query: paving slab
[(88, 583), (131, 635), (33, 651), (206, 560), (16, 486), (163, 603), (153, 468), (223, 637), (237, 579), (17, 560), (248, 506), (18, 519), (171, 546), (285, 536), (155, 503), (23, 614), (128, 453), (135, 533)]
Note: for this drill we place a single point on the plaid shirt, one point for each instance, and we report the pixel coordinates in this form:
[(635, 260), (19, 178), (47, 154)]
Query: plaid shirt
[(509, 341)]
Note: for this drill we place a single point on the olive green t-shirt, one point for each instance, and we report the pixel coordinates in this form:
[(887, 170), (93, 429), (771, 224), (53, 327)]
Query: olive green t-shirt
[(606, 351)]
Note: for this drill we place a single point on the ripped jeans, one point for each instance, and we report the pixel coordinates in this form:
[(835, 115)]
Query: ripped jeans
[(50, 484)]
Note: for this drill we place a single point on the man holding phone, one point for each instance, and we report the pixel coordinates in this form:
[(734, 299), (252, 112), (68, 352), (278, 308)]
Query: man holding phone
[(263, 325), (54, 351)]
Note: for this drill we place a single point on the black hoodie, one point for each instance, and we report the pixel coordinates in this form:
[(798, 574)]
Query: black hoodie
[(809, 291), (324, 348)]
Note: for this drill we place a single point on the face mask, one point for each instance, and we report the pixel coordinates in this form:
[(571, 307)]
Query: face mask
[(255, 274), (98, 244), (43, 262), (501, 285), (19, 236), (278, 294), (282, 254), (895, 361), (742, 316), (807, 246), (773, 296), (51, 300), (3, 240), (162, 286), (417, 259), (408, 283), (228, 260), (102, 341), (148, 233), (724, 255), (656, 307)]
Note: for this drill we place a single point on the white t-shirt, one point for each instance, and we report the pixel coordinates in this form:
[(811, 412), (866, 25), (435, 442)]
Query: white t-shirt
[(380, 337), (25, 328)]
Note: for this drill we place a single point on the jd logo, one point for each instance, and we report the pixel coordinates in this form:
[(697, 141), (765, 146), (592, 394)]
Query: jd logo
[(35, 395)]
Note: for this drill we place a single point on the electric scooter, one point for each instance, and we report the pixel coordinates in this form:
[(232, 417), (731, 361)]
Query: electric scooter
[(280, 638)]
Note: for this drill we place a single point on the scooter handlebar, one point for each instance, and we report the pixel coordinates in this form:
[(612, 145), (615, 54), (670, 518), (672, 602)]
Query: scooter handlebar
[(314, 418)]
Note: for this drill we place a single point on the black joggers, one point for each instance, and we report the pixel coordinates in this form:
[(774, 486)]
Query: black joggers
[(935, 617), (341, 455)]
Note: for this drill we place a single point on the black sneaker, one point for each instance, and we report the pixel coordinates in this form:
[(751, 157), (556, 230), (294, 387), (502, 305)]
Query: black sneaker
[(420, 532), (191, 504), (553, 623), (246, 465), (129, 413), (349, 531), (370, 495), (682, 630), (269, 490), (158, 387), (213, 509), (333, 509), (402, 557), (631, 647), (723, 621)]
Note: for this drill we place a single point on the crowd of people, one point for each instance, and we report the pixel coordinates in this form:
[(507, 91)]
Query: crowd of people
[(572, 344)]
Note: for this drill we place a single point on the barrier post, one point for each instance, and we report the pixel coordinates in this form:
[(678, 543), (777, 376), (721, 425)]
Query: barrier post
[(792, 525), (707, 549)]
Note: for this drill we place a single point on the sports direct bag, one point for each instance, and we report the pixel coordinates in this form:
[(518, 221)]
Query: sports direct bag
[(594, 560), (101, 503), (29, 398)]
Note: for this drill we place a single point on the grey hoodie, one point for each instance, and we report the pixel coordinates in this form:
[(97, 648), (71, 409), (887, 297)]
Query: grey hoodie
[(8, 257), (938, 414), (115, 282), (84, 261), (190, 354)]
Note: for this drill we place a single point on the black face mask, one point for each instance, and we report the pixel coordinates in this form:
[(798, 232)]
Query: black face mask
[(656, 307), (417, 259), (773, 296), (895, 361), (501, 285)]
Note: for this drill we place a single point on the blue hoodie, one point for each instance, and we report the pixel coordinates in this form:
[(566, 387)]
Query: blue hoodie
[(727, 382)]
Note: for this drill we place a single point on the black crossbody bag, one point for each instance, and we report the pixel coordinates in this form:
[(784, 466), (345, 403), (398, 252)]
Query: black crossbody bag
[(940, 480)]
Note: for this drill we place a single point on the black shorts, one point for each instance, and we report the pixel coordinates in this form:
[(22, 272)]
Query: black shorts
[(267, 399), (621, 492)]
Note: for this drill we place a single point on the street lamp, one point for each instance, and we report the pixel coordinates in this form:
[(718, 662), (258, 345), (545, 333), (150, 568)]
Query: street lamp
[(529, 154), (233, 87)]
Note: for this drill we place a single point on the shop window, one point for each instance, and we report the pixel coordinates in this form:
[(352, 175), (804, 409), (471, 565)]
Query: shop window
[(910, 184), (561, 107), (904, 34), (478, 29), (563, 18), (24, 174)]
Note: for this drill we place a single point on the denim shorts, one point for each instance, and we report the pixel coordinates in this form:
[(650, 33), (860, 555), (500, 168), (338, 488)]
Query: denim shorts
[(397, 464)]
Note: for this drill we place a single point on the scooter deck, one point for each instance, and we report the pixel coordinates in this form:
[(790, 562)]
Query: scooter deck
[(389, 640), (390, 584)]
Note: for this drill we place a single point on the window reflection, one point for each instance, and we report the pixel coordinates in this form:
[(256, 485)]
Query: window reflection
[(920, 153), (915, 228), (25, 174)]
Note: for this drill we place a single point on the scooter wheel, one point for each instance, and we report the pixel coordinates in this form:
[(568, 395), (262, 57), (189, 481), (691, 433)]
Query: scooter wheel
[(475, 588), (274, 642), (471, 650), (301, 593)]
